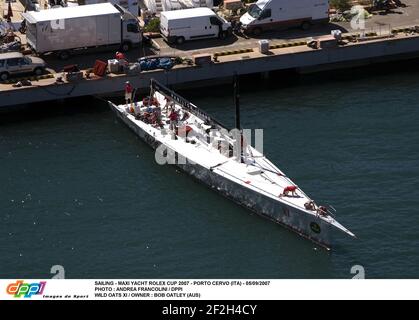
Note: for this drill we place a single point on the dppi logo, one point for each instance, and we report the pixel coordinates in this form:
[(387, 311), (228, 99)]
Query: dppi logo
[(27, 290)]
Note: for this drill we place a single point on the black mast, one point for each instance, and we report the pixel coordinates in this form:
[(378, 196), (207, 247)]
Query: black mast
[(239, 139), (237, 100)]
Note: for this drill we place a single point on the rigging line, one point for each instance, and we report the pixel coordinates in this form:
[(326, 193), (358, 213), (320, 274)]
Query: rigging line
[(288, 179), (265, 169), (272, 166), (267, 192), (281, 175), (269, 179), (218, 165), (275, 171)]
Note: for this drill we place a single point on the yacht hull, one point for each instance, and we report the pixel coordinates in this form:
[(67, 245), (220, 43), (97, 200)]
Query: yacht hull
[(306, 225)]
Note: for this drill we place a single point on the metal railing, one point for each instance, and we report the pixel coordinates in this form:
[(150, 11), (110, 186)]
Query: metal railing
[(155, 85)]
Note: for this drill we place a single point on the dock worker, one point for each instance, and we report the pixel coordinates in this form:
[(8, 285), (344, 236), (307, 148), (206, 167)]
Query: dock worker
[(128, 93), (288, 190), (122, 60), (120, 56)]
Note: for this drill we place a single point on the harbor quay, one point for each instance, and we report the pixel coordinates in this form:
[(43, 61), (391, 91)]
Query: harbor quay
[(402, 44), (385, 37)]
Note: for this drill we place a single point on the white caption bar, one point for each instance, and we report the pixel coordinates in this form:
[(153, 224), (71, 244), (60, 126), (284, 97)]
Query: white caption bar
[(24, 289)]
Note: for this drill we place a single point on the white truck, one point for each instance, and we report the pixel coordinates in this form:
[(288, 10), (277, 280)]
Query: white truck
[(179, 26), (274, 14), (68, 30), (129, 5)]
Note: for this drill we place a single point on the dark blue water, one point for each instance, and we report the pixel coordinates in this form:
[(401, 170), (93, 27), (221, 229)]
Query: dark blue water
[(80, 190)]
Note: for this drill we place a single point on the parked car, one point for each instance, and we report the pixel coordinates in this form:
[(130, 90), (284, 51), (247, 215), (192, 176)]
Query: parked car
[(14, 63)]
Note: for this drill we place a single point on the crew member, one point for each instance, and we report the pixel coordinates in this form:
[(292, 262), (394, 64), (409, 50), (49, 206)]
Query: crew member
[(157, 112), (322, 211), (288, 190), (310, 205), (128, 93), (168, 106), (173, 117)]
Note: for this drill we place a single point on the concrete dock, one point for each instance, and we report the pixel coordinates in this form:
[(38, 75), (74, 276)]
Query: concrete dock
[(241, 56)]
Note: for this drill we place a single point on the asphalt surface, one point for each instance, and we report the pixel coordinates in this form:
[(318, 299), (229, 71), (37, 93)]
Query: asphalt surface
[(406, 16), (380, 22)]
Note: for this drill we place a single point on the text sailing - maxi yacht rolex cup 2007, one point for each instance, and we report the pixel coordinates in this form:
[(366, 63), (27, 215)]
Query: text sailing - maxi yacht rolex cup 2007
[(206, 150)]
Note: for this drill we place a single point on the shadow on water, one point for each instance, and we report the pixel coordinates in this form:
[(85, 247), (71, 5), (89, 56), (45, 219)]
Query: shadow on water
[(55, 109)]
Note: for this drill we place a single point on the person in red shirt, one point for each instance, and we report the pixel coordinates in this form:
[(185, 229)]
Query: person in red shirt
[(288, 190), (173, 117), (122, 61), (128, 93), (120, 56)]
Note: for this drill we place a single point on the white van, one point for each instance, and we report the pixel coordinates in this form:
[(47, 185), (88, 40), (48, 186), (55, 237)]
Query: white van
[(179, 26), (273, 14)]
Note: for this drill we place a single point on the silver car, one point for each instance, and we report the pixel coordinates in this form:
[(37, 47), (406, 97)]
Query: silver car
[(14, 63)]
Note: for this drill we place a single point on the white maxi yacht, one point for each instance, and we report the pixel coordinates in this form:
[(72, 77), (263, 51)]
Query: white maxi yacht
[(201, 147)]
